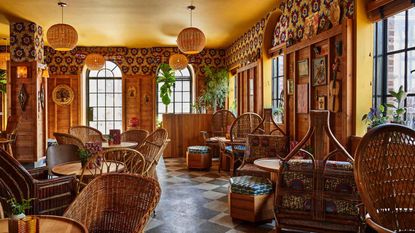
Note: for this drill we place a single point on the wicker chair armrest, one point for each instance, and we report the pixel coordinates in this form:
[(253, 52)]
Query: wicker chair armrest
[(55, 181), (378, 228), (40, 173)]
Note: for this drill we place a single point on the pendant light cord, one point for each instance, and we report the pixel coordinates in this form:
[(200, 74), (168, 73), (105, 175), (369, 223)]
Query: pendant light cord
[(191, 8), (62, 13)]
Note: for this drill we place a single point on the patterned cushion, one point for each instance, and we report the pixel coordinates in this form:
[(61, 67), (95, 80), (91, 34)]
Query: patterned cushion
[(240, 150), (198, 149), (250, 185), (296, 202), (261, 146)]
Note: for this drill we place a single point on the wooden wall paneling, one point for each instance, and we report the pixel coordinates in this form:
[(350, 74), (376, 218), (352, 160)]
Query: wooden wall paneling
[(147, 100), (184, 130)]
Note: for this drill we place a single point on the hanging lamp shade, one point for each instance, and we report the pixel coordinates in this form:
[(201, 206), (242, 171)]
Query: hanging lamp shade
[(4, 57), (191, 40), (62, 37), (94, 61), (178, 61)]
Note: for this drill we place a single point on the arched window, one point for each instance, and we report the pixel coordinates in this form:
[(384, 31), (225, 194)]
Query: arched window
[(104, 98), (181, 101)]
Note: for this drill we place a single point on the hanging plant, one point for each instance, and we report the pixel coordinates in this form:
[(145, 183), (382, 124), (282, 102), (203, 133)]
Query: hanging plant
[(216, 87), (167, 80)]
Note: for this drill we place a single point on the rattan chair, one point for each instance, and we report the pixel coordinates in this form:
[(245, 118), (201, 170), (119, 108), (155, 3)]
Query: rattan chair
[(269, 126), (384, 173), (50, 196), (86, 134), (234, 150), (116, 203), (317, 194), (135, 135), (9, 134), (58, 154), (262, 146), (152, 149), (120, 160), (68, 139)]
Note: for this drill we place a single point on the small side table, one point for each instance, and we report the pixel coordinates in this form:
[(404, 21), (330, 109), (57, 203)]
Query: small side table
[(271, 165), (198, 157)]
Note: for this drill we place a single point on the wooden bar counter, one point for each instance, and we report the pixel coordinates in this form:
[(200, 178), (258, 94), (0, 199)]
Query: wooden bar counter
[(184, 130)]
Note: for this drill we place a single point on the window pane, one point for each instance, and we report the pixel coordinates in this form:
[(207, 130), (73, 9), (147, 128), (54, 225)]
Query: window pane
[(396, 32), (186, 97), (118, 100), (110, 125), (118, 85), (110, 99), (186, 86), (92, 100), (101, 114), (178, 86), (92, 85), (109, 65), (186, 72), (109, 114), (101, 85), (396, 71), (411, 76), (186, 108), (118, 125), (178, 97), (170, 108), (95, 117), (109, 85), (101, 100), (93, 124), (93, 73), (101, 127), (118, 113), (411, 29), (161, 108), (178, 108)]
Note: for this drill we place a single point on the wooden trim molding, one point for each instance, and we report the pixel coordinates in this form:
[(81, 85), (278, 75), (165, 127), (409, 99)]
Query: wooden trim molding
[(380, 9)]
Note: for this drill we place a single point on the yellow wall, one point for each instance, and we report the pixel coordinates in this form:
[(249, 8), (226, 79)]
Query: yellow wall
[(231, 94), (364, 65), (267, 75)]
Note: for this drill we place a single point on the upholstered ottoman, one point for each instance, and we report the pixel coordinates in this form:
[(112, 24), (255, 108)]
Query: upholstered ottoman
[(251, 198), (198, 157)]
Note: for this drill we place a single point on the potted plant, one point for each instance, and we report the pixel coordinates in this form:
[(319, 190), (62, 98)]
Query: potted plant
[(167, 80), (375, 117), (397, 108), (199, 105), (84, 155), (18, 209), (278, 114), (216, 87)]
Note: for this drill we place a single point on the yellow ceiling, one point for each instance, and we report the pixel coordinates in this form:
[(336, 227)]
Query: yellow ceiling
[(140, 23)]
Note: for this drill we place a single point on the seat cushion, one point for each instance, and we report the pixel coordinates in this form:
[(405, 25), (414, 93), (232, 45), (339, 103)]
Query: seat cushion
[(250, 185), (249, 169), (240, 150), (198, 149)]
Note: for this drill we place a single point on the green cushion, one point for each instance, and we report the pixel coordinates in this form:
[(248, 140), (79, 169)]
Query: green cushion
[(198, 149), (250, 185)]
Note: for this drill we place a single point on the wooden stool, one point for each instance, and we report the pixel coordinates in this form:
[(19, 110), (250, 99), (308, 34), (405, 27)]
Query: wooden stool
[(251, 199), (198, 157)]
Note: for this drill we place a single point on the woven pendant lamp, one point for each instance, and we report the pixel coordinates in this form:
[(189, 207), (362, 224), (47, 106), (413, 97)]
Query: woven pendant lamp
[(191, 40), (178, 61), (4, 57), (62, 37), (94, 61)]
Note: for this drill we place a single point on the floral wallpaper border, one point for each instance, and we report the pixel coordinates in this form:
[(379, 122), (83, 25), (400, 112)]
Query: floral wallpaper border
[(26, 42)]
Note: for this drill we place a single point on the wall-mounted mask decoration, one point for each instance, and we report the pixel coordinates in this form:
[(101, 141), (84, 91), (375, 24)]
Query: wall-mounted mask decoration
[(62, 95), (132, 92), (22, 97), (42, 96)]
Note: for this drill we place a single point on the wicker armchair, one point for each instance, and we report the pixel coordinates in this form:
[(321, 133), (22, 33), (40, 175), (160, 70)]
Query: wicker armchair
[(234, 150), (262, 146), (384, 172), (86, 134), (121, 160), (58, 154), (116, 203), (317, 194), (268, 125), (152, 149), (135, 135), (50, 196), (67, 139)]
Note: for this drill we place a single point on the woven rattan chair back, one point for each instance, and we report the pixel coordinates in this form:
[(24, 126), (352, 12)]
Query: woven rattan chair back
[(58, 154), (384, 172), (152, 149), (265, 146), (243, 125), (68, 139), (221, 122), (135, 135), (268, 125), (116, 203), (86, 134), (120, 160)]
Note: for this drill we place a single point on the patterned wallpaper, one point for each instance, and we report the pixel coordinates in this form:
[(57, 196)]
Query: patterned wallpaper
[(294, 13), (26, 42), (248, 47), (132, 61)]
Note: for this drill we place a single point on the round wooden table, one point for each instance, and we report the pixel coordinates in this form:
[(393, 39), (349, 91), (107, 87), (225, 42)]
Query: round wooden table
[(271, 165), (51, 224), (75, 168), (130, 145)]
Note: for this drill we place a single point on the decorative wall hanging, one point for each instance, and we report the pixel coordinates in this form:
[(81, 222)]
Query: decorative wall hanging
[(62, 95), (132, 92), (290, 86), (321, 103), (42, 96), (94, 61), (22, 97), (191, 40), (303, 68), (319, 71), (334, 13), (334, 89), (22, 72), (302, 98), (178, 61), (62, 37)]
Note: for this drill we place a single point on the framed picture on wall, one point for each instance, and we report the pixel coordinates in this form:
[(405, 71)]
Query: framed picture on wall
[(290, 87), (303, 67), (321, 103), (319, 71), (302, 98)]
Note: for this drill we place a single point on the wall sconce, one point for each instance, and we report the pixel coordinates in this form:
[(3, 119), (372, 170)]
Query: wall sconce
[(146, 99), (22, 72)]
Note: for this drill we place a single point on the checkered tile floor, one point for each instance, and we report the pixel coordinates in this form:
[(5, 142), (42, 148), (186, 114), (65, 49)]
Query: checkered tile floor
[(195, 201)]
